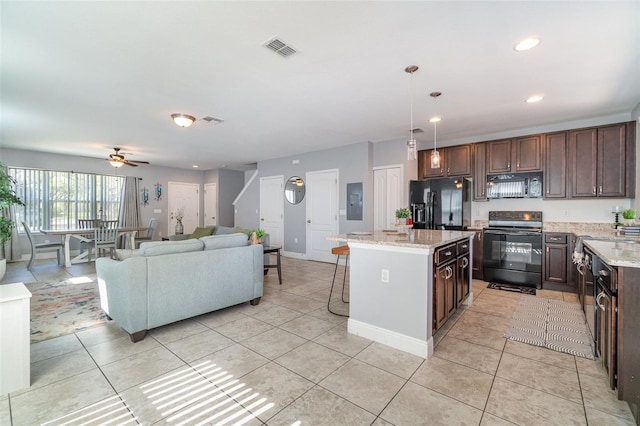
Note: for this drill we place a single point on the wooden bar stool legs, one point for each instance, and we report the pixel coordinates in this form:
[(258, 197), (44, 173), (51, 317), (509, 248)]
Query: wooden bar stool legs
[(339, 251)]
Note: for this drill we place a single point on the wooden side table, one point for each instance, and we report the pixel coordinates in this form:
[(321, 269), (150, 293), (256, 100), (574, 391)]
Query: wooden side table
[(276, 250)]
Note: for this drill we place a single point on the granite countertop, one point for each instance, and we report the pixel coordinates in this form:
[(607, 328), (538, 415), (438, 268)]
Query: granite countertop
[(616, 252), (415, 238)]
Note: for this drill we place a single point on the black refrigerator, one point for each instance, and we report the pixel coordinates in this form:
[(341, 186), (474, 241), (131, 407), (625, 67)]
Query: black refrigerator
[(441, 203)]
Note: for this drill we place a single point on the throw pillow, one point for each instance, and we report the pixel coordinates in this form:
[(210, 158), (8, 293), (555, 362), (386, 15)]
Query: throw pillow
[(247, 232), (122, 254), (203, 232)]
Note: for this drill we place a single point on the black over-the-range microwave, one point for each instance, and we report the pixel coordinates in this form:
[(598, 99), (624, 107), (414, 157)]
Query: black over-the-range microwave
[(515, 185)]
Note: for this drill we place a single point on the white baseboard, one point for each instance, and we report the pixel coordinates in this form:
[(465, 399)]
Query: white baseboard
[(391, 338), (294, 255)]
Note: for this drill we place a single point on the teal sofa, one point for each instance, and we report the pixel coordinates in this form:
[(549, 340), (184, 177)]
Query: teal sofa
[(168, 281)]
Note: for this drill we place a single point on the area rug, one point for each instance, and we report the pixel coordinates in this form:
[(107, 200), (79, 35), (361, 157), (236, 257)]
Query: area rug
[(552, 324), (64, 307), (513, 288)]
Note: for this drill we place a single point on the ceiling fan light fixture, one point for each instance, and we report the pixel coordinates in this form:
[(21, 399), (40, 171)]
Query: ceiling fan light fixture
[(183, 120), (116, 163)]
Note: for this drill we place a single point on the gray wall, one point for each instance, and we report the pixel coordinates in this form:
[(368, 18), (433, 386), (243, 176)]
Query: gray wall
[(230, 184), (354, 164)]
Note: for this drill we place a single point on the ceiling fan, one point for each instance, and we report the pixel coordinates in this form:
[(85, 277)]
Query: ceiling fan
[(117, 160)]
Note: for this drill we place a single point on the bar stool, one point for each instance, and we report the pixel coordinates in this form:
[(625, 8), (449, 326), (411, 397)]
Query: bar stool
[(339, 251)]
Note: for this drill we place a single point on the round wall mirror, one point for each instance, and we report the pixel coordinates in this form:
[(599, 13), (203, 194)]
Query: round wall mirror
[(294, 190)]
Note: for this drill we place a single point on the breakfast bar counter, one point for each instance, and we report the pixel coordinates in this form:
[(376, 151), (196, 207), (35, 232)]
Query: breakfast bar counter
[(391, 285)]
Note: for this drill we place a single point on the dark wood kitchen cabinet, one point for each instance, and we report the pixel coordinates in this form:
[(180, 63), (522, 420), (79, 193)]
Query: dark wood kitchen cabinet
[(522, 154), (555, 165), (463, 284), (454, 161), (628, 338), (556, 262), (499, 156), (444, 284), (479, 173), (601, 161)]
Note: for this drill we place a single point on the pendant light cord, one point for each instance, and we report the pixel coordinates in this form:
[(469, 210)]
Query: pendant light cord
[(411, 95)]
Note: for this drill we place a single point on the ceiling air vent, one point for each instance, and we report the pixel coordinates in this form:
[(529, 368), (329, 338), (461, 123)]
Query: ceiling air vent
[(215, 120), (280, 47)]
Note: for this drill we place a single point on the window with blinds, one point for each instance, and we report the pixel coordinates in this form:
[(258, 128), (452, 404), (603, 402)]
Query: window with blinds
[(56, 200)]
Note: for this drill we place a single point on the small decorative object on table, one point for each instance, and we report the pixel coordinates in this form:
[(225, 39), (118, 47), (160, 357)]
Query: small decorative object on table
[(402, 215), (629, 216), (178, 216), (259, 233)]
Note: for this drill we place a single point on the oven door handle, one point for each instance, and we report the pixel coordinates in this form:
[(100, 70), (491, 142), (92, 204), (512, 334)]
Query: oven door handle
[(600, 296), (516, 233)]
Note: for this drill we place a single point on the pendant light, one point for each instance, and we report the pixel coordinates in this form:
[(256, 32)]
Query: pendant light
[(435, 155), (412, 146)]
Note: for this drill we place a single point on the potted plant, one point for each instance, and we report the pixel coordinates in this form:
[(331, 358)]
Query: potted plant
[(8, 198), (402, 214), (259, 235), (629, 216)]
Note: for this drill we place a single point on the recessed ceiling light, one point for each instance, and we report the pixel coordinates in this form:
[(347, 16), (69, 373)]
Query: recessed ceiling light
[(526, 44), (534, 99), (195, 166), (435, 119)]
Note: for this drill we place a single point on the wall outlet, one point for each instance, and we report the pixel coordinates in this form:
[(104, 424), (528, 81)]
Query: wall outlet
[(155, 211), (295, 240), (384, 276)]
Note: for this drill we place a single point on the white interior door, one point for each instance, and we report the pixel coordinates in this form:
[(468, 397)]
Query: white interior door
[(272, 208), (210, 204), (322, 214), (388, 196), (184, 196)]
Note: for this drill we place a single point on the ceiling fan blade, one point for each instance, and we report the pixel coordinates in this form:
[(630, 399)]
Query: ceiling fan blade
[(129, 163), (138, 162)]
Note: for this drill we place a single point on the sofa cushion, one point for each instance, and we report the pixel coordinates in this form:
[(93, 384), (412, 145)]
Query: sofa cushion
[(214, 242), (158, 248), (122, 254), (203, 232), (223, 230), (247, 232)]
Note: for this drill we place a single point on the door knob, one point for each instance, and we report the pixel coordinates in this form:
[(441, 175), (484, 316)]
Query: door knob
[(309, 221), (262, 219)]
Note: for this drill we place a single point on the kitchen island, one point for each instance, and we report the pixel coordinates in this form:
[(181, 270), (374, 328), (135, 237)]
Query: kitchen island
[(616, 279), (392, 284)]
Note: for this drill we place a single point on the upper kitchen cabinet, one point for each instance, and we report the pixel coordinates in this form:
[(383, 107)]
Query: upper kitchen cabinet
[(555, 165), (602, 161), (454, 161), (480, 172), (514, 155)]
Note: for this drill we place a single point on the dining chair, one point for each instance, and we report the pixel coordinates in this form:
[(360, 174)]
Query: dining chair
[(35, 247), (87, 224), (104, 238), (153, 224)]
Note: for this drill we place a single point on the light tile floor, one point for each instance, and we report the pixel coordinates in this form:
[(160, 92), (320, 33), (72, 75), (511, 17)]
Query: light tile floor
[(288, 360)]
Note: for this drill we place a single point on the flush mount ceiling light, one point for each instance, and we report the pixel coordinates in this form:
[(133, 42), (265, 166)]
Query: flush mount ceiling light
[(533, 99), (526, 44), (435, 155), (183, 120), (412, 146)]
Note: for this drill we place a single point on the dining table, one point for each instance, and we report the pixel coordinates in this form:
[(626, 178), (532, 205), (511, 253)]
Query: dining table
[(86, 234)]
